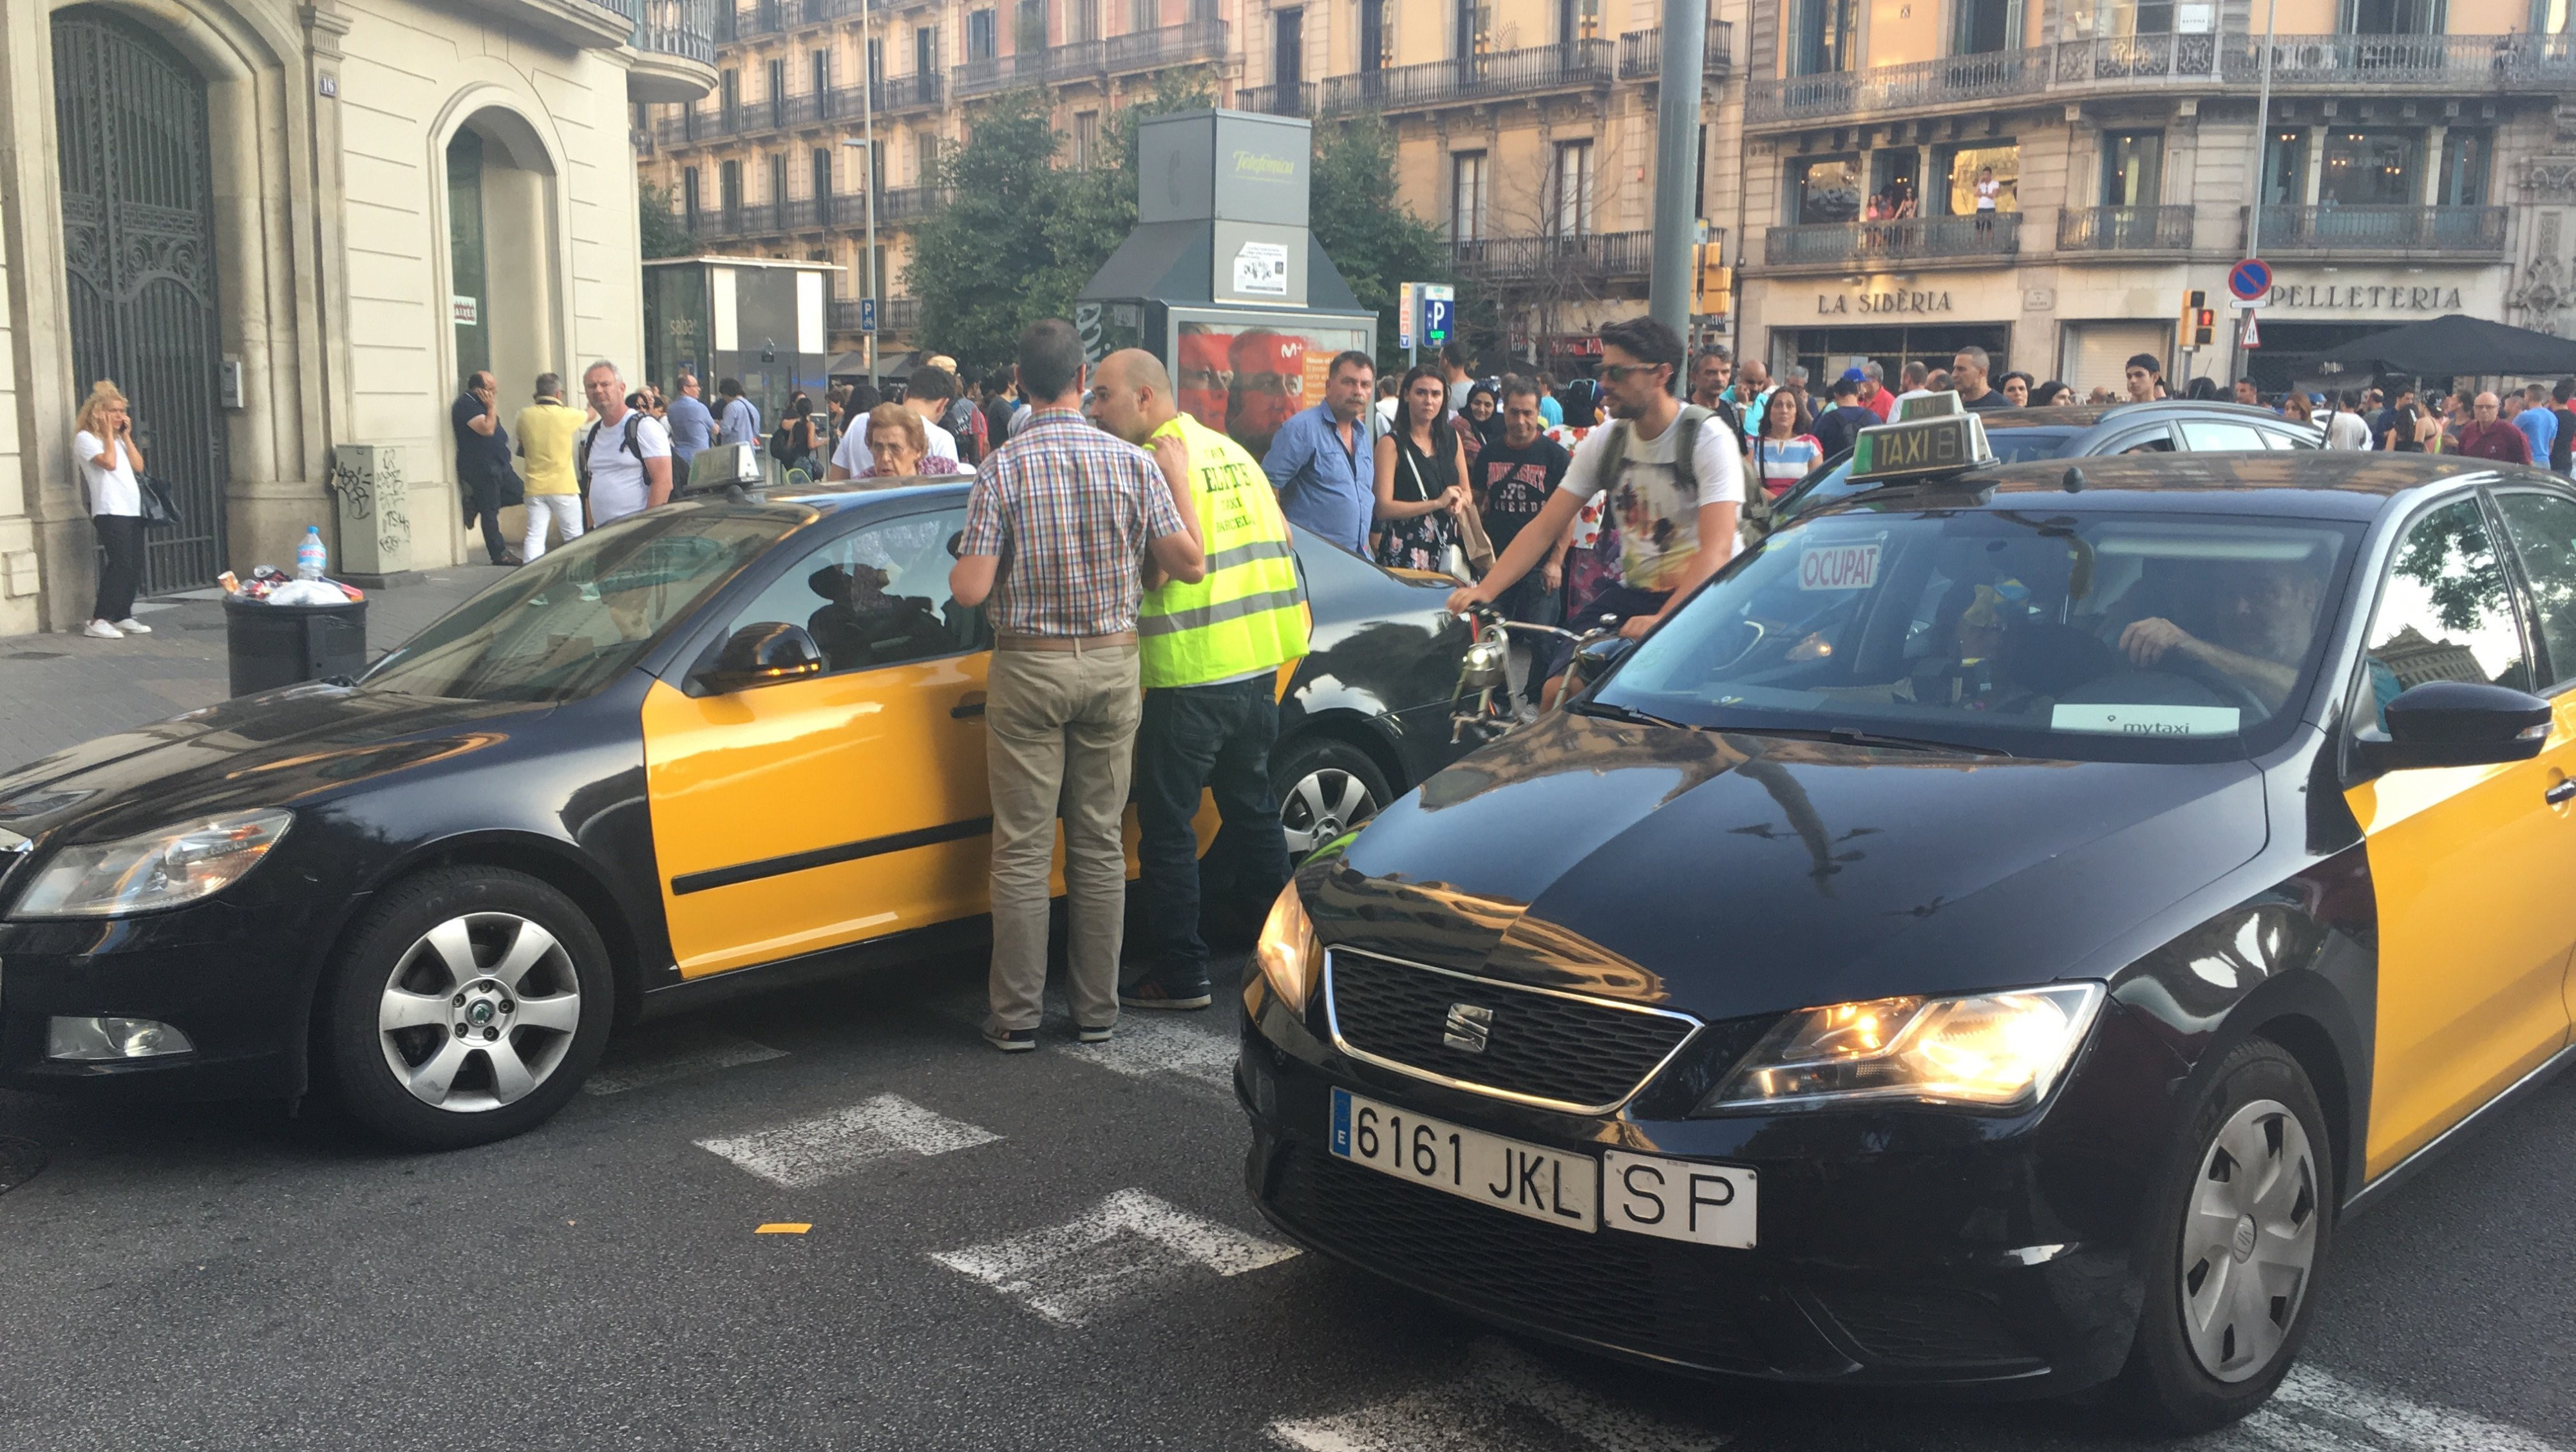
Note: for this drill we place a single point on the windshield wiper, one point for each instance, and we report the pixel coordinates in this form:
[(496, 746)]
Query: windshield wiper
[(1630, 714), (1852, 736)]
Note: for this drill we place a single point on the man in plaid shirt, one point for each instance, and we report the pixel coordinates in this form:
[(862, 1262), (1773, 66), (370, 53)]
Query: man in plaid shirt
[(1061, 527)]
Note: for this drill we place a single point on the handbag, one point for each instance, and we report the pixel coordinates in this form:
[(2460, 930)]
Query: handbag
[(160, 505)]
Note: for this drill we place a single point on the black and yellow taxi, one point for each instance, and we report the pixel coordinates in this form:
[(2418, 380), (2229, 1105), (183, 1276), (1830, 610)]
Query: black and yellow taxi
[(1987, 938), (721, 744)]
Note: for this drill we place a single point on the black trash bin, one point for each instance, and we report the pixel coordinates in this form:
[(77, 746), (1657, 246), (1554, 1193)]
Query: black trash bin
[(279, 645)]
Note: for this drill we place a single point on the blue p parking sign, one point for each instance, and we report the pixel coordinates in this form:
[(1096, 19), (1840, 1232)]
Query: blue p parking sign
[(867, 315), (1436, 313)]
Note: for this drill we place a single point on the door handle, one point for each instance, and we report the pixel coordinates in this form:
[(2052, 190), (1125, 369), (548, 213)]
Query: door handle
[(2560, 791), (970, 704)]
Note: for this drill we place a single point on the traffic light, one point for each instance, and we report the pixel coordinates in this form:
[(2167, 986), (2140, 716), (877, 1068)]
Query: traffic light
[(1711, 290), (2204, 327), (2196, 322)]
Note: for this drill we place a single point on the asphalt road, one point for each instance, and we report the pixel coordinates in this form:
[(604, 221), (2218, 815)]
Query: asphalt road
[(1052, 1250)]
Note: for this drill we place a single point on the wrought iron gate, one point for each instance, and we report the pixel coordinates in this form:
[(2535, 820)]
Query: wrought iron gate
[(139, 245)]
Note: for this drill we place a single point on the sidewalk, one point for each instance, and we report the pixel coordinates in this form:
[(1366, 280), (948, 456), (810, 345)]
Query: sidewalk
[(61, 689)]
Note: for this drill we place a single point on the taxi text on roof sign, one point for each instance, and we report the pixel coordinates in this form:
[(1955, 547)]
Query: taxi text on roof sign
[(1920, 448)]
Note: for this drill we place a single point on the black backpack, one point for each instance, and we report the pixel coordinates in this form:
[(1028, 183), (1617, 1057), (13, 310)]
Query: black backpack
[(581, 462), (782, 446)]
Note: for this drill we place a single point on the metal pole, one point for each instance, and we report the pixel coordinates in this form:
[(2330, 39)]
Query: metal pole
[(2254, 212), (1668, 298), (868, 129)]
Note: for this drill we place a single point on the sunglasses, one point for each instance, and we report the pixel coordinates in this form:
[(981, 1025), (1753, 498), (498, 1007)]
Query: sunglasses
[(1619, 372)]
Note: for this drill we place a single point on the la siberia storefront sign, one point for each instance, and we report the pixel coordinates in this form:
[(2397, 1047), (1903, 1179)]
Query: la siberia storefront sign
[(1874, 303)]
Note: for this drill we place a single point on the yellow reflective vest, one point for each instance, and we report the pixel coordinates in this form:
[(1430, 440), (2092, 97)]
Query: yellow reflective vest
[(1249, 612)]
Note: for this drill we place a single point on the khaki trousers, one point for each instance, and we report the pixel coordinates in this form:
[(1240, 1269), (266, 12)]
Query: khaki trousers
[(1061, 729)]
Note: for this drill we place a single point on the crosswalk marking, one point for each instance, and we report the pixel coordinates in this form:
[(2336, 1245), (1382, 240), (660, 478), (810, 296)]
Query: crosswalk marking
[(2317, 1411), (660, 1063), (808, 1152), (1130, 1243), (1146, 1044), (1503, 1402)]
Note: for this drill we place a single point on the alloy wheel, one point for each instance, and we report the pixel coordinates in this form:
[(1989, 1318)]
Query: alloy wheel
[(1325, 803), (2249, 1241), (479, 1011)]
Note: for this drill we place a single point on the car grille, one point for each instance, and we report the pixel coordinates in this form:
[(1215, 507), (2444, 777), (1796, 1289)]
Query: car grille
[(1566, 1053), (1622, 1290), (1925, 1328)]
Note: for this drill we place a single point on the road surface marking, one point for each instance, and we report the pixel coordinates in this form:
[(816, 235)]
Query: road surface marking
[(2317, 1411), (785, 1227), (1503, 1402), (680, 1059), (810, 1151), (1153, 1042), (1131, 1243)]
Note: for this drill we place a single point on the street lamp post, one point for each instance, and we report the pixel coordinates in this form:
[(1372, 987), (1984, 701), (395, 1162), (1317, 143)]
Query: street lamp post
[(2254, 212), (866, 141)]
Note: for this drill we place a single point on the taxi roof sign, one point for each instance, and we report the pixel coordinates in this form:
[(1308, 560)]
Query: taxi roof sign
[(1928, 405), (1920, 448)]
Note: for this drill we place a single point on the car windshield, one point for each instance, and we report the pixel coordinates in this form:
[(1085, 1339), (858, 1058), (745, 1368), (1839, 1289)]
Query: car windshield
[(572, 620), (1832, 480), (2094, 636)]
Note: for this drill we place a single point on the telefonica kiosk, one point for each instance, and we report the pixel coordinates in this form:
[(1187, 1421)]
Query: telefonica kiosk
[(1222, 279)]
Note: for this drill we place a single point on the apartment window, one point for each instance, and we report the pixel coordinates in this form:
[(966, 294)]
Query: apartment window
[(1822, 41), (1475, 27), (822, 171), (1961, 166), (2372, 166), (1466, 195), (1983, 27), (2285, 168), (778, 93), (1578, 20), (1824, 189), (1569, 191), (729, 93), (1029, 26), (925, 51), (979, 35), (925, 158), (2467, 153), (1082, 21), (1699, 173), (730, 179), (876, 61), (821, 64), (1086, 140), (778, 181), (1287, 48), (1895, 178), (2133, 168), (2111, 19), (2395, 17), (689, 202), (1144, 15), (1373, 36)]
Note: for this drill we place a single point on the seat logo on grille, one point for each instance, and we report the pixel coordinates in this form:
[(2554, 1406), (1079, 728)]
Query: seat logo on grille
[(1467, 1028)]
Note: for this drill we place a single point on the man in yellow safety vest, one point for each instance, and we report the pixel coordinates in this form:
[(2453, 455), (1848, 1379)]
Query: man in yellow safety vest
[(1212, 650)]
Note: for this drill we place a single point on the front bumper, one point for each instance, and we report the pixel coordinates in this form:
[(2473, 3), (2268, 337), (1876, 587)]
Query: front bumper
[(1894, 1249), (236, 978)]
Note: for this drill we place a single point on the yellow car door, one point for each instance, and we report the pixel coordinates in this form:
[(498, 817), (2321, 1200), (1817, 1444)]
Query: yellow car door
[(815, 812), (2540, 524), (2470, 864)]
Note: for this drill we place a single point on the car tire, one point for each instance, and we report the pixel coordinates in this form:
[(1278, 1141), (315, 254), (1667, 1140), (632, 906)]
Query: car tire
[(467, 1006), (2225, 1310), (1325, 786)]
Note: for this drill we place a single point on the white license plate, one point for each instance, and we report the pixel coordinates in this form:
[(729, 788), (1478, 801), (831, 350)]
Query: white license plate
[(1687, 1200), (1526, 1179)]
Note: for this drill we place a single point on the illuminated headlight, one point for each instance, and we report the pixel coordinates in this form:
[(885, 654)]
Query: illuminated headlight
[(1286, 951), (1993, 1051), (181, 864)]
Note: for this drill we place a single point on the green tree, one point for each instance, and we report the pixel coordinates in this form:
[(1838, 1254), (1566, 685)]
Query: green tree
[(660, 231), (1371, 237)]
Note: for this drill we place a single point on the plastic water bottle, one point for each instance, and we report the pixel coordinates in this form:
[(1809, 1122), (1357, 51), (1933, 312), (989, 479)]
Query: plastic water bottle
[(312, 558)]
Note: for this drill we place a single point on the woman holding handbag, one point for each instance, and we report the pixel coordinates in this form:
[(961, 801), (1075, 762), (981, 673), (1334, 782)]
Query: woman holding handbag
[(109, 463), (1421, 480)]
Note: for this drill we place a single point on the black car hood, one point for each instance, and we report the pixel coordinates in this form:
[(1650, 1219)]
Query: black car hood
[(1731, 874), (272, 749)]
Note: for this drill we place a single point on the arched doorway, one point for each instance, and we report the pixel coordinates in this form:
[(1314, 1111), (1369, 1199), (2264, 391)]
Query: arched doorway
[(139, 250), (500, 256)]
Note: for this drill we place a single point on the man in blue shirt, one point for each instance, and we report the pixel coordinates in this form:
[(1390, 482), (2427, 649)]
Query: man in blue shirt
[(1324, 464), (739, 423), (692, 427), (2539, 426)]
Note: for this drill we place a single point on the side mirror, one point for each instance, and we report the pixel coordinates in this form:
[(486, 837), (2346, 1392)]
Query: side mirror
[(763, 655), (2459, 723)]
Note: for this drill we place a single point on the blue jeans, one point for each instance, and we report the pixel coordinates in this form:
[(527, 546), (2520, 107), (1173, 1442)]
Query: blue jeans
[(1215, 738)]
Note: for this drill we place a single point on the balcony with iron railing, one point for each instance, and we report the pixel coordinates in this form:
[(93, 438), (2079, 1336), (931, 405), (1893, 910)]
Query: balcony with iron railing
[(1916, 241), (898, 316), (1569, 66), (1297, 98), (1641, 52), (1589, 258), (1115, 55), (2466, 64), (2383, 232), (892, 96), (2124, 229)]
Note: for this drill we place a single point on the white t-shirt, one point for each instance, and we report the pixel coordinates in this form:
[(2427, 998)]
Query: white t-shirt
[(1658, 529), (617, 485), (1987, 191), (111, 491), (2348, 431), (852, 452)]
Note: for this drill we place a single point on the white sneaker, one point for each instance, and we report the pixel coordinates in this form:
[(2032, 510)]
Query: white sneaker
[(132, 626), (101, 630)]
